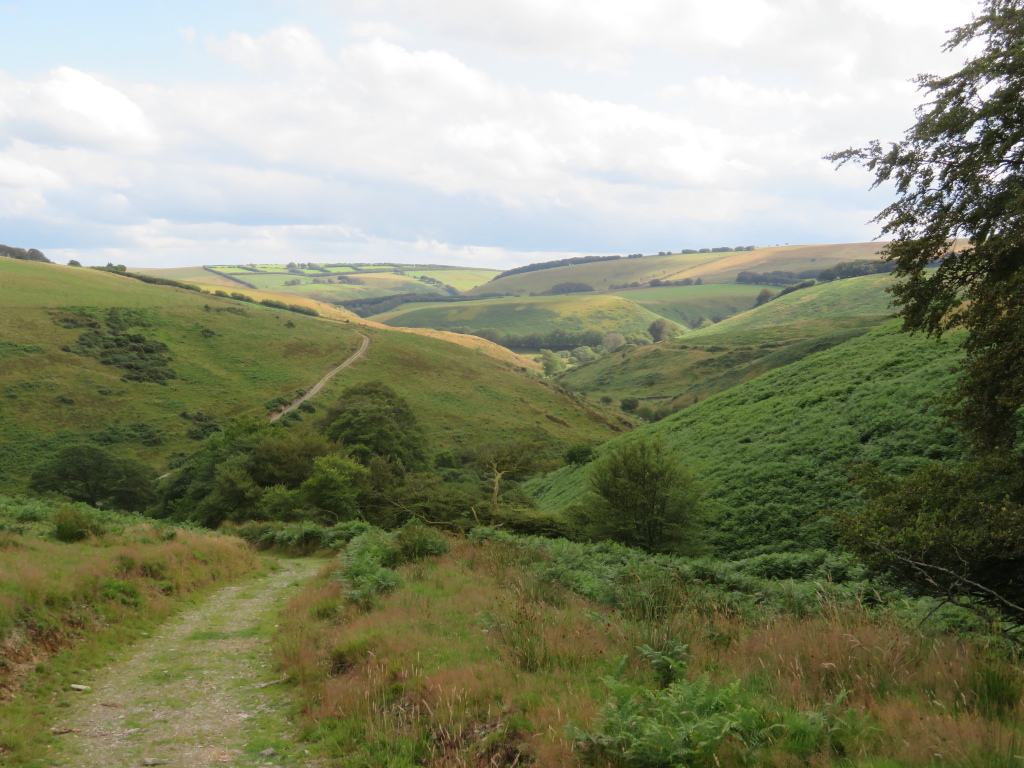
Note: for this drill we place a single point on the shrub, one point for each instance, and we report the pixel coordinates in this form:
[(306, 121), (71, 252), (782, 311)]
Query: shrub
[(72, 524), (416, 541)]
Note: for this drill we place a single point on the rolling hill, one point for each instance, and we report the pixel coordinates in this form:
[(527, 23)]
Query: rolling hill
[(710, 267), (196, 356), (539, 314), (775, 453), (332, 283), (682, 371)]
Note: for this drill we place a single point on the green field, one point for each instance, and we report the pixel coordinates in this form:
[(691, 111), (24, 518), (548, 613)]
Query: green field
[(690, 304), (775, 452), (229, 359), (538, 314)]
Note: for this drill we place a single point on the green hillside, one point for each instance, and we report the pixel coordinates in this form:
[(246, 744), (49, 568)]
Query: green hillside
[(855, 297), (539, 314), (690, 305), (334, 283), (774, 453), (710, 267), (712, 359), (221, 359)]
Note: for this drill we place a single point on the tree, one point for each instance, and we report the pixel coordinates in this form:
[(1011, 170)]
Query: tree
[(90, 474), (629, 404), (959, 175), (74, 263), (612, 341), (552, 363), (333, 487), (579, 454), (764, 297), (641, 497), (661, 330), (955, 532), (372, 419), (513, 459)]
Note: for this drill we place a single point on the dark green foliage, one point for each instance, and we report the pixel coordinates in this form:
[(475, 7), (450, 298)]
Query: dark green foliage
[(552, 363), (373, 420), (959, 173), (152, 280), (560, 289), (552, 264), (797, 287), (90, 474), (629, 404), (142, 359), (581, 453), (71, 524), (416, 541), (641, 497), (24, 254), (764, 297), (954, 531), (139, 432), (661, 330), (857, 268), (289, 307), (558, 340)]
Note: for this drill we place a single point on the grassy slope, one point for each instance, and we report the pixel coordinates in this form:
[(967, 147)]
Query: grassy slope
[(742, 347), (689, 304), (856, 297), (774, 452), (377, 281), (463, 396), (711, 267), (251, 358), (576, 312)]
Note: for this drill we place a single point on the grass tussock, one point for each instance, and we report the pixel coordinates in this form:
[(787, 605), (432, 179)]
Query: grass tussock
[(487, 656)]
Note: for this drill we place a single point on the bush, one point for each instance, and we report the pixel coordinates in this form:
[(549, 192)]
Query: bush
[(416, 541), (71, 524)]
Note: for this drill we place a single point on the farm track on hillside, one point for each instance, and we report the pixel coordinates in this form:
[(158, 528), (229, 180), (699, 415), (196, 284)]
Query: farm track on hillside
[(197, 693), (320, 384)]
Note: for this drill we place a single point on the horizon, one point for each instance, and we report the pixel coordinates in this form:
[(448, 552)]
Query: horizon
[(236, 132)]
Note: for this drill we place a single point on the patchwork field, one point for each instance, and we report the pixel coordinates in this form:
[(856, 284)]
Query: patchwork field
[(710, 267), (689, 305)]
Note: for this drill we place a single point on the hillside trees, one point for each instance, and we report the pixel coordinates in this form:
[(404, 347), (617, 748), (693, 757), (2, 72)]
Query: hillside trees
[(959, 173), (97, 477), (958, 532), (372, 419)]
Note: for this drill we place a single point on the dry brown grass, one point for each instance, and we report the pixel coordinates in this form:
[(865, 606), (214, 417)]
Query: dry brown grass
[(473, 662)]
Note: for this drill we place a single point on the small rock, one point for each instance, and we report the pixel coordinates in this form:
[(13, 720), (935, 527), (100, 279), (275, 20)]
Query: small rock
[(77, 687), (133, 731), (154, 761), (268, 752)]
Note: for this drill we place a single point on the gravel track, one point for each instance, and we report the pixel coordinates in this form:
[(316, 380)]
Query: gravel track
[(192, 694)]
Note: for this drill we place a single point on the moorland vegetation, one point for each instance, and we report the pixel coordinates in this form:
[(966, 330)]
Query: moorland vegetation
[(816, 561)]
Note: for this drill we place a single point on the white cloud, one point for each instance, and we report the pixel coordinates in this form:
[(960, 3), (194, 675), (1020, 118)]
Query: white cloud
[(417, 136)]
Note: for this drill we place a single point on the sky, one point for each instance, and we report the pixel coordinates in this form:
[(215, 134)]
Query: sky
[(493, 133)]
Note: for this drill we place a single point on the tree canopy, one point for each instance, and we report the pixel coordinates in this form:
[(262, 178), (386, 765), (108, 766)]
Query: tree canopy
[(959, 179)]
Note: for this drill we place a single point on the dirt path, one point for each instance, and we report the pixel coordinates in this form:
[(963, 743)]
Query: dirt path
[(191, 695), (320, 384)]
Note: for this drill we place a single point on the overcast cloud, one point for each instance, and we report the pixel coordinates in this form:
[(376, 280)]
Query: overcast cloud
[(449, 131)]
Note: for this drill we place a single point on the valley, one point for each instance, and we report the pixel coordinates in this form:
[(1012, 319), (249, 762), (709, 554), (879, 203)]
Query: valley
[(423, 514)]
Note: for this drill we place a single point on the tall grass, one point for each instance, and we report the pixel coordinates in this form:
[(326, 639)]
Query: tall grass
[(78, 583), (481, 658)]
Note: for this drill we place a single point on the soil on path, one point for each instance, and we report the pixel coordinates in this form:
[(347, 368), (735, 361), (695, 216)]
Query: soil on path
[(320, 384), (192, 695)]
